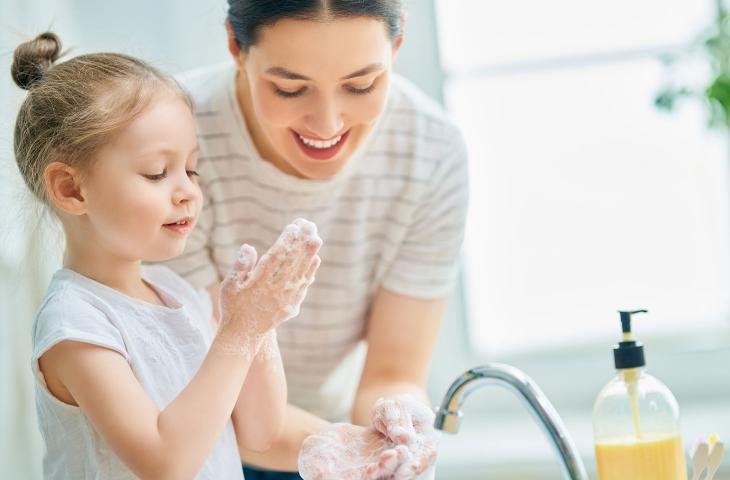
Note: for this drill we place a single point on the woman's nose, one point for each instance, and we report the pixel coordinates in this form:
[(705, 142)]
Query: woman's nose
[(326, 120)]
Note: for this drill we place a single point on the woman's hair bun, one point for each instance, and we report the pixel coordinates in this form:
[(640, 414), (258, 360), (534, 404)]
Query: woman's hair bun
[(33, 58)]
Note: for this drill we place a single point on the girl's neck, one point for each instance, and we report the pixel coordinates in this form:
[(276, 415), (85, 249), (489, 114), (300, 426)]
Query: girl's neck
[(122, 274)]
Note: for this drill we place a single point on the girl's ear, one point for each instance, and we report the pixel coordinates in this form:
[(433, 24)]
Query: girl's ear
[(64, 189), (236, 53)]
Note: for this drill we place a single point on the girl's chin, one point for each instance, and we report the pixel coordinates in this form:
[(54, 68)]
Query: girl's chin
[(164, 254)]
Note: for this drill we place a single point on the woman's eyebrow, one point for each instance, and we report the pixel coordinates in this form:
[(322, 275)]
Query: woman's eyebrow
[(289, 75), (364, 71)]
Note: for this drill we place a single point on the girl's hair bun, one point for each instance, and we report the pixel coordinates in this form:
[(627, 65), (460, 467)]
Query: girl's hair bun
[(33, 58)]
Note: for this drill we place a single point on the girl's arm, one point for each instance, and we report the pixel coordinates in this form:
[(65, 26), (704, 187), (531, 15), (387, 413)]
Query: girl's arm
[(174, 443), (258, 416), (168, 444)]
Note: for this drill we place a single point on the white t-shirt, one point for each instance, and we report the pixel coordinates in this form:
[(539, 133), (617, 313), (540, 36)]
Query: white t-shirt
[(164, 345), (393, 217)]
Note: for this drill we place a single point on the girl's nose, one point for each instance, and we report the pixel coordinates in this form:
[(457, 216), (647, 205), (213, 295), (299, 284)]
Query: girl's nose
[(185, 191)]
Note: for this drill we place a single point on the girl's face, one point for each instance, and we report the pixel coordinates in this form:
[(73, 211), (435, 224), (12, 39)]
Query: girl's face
[(142, 194), (312, 90)]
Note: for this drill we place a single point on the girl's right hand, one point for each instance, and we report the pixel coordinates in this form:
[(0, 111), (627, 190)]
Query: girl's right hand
[(257, 297)]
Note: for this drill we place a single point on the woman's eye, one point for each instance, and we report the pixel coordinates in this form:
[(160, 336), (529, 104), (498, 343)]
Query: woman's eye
[(360, 91), (158, 176), (192, 173), (288, 94)]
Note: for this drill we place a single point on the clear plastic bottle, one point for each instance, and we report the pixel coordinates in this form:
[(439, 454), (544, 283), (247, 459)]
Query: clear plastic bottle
[(636, 420)]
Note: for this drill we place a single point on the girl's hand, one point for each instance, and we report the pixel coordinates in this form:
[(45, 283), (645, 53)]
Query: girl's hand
[(257, 297), (342, 451), (406, 421)]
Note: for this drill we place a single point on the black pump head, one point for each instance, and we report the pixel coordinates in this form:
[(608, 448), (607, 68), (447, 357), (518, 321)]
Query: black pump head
[(629, 353), (626, 319)]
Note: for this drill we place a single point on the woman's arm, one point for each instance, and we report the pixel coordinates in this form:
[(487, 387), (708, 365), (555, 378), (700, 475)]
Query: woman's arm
[(401, 334), (284, 452)]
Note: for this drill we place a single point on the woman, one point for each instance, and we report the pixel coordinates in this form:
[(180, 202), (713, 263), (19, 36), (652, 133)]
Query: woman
[(310, 121)]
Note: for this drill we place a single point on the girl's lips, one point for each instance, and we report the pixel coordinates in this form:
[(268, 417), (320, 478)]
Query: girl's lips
[(320, 153), (180, 228)]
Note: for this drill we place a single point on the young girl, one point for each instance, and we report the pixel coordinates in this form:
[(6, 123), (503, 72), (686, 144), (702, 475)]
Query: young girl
[(133, 377)]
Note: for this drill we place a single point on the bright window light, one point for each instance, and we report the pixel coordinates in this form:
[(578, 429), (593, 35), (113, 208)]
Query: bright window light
[(584, 197)]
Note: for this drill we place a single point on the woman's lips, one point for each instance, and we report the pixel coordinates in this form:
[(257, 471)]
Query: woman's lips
[(320, 153)]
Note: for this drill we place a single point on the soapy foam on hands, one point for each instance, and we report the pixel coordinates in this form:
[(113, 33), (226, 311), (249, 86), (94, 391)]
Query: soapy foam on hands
[(406, 450), (270, 291), (348, 452), (408, 421)]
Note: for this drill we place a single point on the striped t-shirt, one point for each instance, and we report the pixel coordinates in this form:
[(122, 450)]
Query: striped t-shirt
[(393, 217)]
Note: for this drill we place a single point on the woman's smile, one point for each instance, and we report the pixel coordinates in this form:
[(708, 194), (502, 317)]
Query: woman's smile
[(318, 149)]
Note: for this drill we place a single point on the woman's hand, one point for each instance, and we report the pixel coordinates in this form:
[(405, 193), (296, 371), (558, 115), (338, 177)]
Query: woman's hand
[(257, 297), (406, 421), (342, 451)]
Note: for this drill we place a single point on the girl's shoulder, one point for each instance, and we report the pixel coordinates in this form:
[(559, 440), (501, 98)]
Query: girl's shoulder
[(72, 309)]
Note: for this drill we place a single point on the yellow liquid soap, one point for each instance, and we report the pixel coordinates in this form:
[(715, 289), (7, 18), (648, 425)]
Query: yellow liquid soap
[(653, 457)]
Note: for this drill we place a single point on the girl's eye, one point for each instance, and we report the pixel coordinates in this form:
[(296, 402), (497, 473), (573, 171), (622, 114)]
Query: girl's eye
[(360, 91), (192, 173), (287, 94), (159, 176)]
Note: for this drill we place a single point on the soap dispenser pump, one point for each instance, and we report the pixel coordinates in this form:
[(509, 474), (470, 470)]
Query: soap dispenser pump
[(636, 419)]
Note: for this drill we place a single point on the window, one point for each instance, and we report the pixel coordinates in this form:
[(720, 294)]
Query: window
[(584, 198)]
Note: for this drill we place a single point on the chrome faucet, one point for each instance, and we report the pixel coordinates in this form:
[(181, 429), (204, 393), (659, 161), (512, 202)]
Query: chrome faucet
[(448, 416)]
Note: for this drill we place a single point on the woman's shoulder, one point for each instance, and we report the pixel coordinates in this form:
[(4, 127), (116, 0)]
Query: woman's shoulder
[(409, 107), (207, 85)]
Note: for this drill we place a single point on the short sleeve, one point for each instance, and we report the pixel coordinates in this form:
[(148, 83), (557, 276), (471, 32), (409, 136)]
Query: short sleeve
[(427, 260), (69, 316), (195, 264)]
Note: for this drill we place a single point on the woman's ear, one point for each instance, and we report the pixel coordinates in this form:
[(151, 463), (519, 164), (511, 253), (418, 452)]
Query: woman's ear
[(64, 189), (233, 46), (398, 41)]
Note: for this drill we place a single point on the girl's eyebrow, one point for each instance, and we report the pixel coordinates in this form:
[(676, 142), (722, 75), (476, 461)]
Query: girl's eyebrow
[(170, 152), (289, 75)]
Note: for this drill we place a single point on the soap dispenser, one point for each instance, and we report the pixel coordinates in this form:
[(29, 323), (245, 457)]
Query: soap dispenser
[(636, 419)]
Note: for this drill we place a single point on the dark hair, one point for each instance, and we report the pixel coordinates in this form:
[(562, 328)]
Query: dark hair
[(247, 17), (74, 107)]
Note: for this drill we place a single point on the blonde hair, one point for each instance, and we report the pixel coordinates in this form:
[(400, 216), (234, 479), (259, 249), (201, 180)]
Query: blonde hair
[(74, 107)]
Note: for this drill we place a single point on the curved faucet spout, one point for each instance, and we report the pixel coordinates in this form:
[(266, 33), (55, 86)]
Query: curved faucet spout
[(448, 416)]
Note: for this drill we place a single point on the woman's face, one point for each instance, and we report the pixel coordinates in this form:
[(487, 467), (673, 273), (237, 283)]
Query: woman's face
[(311, 91)]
